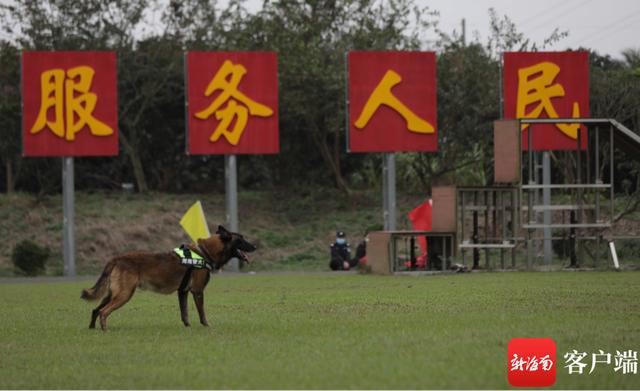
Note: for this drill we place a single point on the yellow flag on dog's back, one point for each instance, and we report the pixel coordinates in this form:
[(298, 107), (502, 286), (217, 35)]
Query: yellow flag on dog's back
[(194, 222)]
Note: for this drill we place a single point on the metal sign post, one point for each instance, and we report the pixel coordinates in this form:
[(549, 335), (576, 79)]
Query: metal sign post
[(67, 222), (546, 201), (389, 191), (231, 201)]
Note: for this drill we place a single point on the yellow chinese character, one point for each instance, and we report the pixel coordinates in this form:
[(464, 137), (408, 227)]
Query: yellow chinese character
[(535, 86), (226, 80), (382, 96), (72, 96)]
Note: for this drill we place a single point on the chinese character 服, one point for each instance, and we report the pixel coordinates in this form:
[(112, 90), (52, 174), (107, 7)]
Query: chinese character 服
[(72, 102), (226, 81), (627, 361), (535, 86), (382, 95), (574, 361)]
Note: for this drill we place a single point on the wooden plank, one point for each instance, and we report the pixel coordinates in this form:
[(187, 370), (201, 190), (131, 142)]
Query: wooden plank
[(378, 252), (444, 209), (506, 151)]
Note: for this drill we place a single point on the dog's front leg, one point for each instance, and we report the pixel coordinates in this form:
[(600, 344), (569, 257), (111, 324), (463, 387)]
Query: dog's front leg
[(184, 314), (198, 297)]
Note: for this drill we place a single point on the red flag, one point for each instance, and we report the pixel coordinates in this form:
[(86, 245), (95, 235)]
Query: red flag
[(421, 220)]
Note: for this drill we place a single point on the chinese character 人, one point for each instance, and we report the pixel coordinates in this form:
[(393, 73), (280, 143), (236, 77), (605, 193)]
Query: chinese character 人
[(382, 95)]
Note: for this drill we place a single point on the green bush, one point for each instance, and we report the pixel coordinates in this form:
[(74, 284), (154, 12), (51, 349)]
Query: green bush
[(29, 257)]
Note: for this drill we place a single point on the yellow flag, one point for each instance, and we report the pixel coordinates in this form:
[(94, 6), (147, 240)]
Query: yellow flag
[(194, 222)]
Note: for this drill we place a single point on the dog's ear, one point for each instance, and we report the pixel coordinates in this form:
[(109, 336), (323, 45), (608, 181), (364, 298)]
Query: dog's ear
[(225, 235)]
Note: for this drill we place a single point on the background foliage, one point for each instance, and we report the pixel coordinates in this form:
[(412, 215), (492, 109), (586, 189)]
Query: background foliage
[(311, 38)]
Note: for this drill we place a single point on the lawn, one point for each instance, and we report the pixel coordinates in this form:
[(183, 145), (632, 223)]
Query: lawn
[(320, 331)]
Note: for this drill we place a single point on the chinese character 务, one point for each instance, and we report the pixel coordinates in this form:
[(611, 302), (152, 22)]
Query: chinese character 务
[(382, 96), (71, 101), (226, 80), (535, 86)]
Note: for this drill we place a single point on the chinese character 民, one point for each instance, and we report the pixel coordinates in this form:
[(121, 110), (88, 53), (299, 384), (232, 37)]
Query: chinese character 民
[(382, 95), (627, 361), (71, 102), (535, 86), (226, 81), (574, 361)]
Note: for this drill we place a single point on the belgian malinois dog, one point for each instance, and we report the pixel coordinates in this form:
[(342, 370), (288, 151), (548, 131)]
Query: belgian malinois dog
[(164, 273)]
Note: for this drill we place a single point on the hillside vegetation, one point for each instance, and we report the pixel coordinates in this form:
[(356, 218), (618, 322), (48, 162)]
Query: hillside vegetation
[(292, 230)]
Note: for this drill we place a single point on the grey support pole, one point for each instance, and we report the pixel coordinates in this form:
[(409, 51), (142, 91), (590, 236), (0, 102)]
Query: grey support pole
[(389, 191), (67, 221), (231, 201), (546, 201)]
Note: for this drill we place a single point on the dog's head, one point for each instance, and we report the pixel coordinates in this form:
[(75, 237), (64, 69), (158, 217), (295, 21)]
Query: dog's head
[(225, 245)]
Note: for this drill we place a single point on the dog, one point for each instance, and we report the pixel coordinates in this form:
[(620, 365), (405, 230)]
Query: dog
[(164, 273)]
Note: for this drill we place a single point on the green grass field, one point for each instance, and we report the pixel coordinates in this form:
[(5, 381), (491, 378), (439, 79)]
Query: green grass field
[(320, 331)]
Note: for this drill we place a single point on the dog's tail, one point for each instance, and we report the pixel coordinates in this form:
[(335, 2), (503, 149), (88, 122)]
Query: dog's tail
[(100, 287)]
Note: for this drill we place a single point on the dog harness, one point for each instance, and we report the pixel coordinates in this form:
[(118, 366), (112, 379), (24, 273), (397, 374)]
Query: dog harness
[(190, 258), (194, 261)]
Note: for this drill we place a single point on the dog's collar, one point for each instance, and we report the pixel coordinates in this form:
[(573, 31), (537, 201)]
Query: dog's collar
[(211, 263)]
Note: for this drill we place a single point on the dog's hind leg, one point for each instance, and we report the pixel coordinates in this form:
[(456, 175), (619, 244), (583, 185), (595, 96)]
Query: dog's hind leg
[(198, 297), (96, 311), (118, 301), (184, 313)]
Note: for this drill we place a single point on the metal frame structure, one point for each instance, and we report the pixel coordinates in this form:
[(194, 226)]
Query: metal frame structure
[(501, 217), (447, 246), (589, 220), (511, 210), (500, 208)]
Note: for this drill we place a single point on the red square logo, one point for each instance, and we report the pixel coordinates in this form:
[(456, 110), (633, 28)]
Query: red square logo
[(548, 85), (531, 362), (232, 102), (70, 103), (392, 102)]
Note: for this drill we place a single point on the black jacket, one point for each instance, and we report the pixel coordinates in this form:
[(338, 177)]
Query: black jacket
[(339, 254)]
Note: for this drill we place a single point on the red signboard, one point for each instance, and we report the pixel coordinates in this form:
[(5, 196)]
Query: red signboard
[(548, 85), (232, 103), (392, 102), (70, 104)]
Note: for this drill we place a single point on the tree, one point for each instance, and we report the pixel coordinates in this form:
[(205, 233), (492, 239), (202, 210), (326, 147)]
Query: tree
[(9, 111), (312, 38), (94, 25), (615, 93)]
